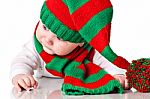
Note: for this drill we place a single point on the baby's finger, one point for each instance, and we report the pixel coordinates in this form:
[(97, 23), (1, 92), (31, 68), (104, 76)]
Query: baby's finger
[(22, 83), (17, 87), (32, 80), (27, 81), (35, 86), (122, 81), (126, 84)]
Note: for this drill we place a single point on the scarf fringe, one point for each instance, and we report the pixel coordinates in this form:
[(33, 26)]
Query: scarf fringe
[(112, 86)]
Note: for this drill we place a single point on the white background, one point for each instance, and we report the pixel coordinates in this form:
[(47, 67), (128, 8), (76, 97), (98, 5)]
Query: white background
[(130, 34)]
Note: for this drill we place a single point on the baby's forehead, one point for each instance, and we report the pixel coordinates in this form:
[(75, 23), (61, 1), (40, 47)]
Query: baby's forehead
[(47, 28), (55, 34)]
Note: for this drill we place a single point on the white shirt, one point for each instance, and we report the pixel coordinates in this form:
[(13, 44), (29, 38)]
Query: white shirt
[(29, 61)]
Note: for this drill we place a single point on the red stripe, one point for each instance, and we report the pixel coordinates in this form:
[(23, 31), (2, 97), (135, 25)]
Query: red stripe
[(55, 73), (88, 10), (46, 57), (36, 27), (101, 40), (92, 68), (78, 54), (82, 67), (82, 56), (60, 10), (91, 55), (121, 62), (77, 82)]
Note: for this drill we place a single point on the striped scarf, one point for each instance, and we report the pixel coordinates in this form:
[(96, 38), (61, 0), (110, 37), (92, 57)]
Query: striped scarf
[(81, 75), (78, 21), (82, 21)]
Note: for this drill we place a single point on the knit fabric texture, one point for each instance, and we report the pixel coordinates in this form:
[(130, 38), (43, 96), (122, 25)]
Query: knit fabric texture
[(82, 21), (77, 21), (138, 74), (81, 76)]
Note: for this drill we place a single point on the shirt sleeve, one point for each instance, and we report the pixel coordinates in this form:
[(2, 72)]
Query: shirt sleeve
[(98, 59), (26, 61)]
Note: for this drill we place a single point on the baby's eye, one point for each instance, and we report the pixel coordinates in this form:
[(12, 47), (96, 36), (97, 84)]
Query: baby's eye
[(45, 28), (60, 39)]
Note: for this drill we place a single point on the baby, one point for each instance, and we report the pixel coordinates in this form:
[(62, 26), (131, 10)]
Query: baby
[(58, 34)]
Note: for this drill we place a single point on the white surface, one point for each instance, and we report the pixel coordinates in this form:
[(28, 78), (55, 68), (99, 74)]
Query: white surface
[(51, 89), (129, 36)]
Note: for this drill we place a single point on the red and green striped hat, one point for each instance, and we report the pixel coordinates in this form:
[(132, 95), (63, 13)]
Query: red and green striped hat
[(76, 20), (82, 21)]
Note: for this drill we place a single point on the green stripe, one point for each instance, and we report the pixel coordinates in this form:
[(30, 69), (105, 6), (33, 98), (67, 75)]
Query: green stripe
[(76, 90), (87, 47), (86, 61), (57, 64), (57, 27), (80, 74), (38, 46), (94, 77), (43, 8), (109, 54), (95, 24), (74, 4)]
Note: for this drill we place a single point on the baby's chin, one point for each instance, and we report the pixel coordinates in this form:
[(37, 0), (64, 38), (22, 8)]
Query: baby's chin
[(51, 52), (48, 50)]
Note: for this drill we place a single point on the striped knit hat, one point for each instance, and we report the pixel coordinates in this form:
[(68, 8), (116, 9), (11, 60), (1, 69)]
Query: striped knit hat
[(77, 21), (73, 20), (82, 21)]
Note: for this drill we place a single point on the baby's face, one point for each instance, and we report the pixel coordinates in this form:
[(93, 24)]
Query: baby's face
[(52, 44)]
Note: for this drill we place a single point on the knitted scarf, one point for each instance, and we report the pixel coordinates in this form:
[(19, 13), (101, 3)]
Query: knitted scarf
[(78, 21), (82, 21), (81, 75)]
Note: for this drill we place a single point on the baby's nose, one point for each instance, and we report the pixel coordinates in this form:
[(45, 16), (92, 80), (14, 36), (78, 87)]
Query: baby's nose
[(49, 41), (49, 38)]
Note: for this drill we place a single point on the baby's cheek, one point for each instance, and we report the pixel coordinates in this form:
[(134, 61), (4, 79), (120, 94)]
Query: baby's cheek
[(60, 50), (64, 48), (38, 37)]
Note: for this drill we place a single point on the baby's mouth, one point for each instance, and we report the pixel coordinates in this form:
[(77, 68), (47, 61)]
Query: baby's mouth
[(49, 51), (46, 47)]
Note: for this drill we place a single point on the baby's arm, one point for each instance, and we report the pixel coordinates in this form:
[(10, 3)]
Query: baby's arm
[(116, 72), (106, 65), (122, 79), (23, 66)]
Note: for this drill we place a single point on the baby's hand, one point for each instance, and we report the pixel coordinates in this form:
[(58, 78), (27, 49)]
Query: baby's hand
[(25, 81), (123, 81)]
